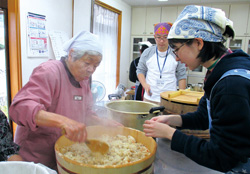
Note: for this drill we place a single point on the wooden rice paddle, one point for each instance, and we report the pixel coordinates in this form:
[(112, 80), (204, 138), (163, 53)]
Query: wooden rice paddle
[(95, 145)]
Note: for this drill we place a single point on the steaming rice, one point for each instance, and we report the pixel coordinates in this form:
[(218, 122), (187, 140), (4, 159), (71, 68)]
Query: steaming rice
[(122, 150)]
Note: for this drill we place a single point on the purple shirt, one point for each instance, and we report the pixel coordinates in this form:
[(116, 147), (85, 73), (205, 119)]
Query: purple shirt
[(50, 88)]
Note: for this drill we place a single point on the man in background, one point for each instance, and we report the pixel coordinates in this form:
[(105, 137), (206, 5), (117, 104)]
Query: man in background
[(139, 91), (158, 71)]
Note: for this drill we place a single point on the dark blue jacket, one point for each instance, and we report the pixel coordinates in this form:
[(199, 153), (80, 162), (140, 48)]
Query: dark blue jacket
[(230, 111)]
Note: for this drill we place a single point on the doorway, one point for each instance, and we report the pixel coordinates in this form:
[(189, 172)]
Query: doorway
[(4, 64), (10, 54)]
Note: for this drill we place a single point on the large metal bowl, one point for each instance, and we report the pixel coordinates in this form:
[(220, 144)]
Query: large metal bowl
[(132, 113)]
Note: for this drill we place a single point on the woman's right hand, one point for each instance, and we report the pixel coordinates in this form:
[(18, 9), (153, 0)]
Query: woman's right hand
[(74, 130), (172, 120)]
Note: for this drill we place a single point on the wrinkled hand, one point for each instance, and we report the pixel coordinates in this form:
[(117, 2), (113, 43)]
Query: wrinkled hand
[(74, 130), (158, 129)]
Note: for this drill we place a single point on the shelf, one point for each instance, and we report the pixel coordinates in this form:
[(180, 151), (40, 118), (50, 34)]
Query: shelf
[(235, 46)]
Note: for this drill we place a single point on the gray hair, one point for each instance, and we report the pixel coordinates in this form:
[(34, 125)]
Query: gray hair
[(78, 54)]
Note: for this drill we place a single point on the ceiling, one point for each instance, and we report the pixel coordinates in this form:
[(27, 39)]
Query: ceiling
[(177, 2)]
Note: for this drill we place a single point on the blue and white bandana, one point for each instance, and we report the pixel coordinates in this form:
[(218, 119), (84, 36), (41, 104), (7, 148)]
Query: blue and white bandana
[(201, 22)]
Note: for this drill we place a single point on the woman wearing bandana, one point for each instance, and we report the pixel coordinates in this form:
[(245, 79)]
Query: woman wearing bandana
[(57, 97), (197, 37)]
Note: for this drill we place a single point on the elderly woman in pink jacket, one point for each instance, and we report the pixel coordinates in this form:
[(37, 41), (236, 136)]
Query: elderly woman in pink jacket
[(57, 96)]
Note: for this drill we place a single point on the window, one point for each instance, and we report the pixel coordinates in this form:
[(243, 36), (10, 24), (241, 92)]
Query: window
[(11, 50), (4, 74), (107, 24)]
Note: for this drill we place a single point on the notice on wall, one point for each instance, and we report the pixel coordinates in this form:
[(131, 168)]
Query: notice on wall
[(58, 38), (37, 35)]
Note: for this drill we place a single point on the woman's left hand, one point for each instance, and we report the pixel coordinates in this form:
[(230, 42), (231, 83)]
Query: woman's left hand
[(158, 130)]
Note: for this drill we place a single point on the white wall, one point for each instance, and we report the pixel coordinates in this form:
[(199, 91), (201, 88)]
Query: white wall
[(59, 17), (82, 15)]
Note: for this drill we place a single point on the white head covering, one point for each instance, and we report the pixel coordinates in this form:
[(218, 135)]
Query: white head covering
[(83, 41), (201, 22), (145, 43)]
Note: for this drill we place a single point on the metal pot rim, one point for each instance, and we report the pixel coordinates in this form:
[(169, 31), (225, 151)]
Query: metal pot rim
[(129, 101)]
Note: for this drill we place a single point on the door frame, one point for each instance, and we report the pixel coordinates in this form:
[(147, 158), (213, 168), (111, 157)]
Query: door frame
[(13, 49)]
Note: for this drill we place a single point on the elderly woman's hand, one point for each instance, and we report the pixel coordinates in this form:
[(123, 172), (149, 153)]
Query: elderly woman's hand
[(74, 130)]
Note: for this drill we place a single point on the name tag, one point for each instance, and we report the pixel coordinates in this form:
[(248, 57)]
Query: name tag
[(77, 98), (160, 82)]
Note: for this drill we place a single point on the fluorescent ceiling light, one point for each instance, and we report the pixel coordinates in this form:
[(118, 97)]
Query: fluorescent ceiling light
[(162, 0)]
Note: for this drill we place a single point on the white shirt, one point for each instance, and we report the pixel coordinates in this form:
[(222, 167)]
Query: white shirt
[(168, 80)]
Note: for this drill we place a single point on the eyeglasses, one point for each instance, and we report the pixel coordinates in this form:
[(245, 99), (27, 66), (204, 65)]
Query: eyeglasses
[(177, 49), (158, 38)]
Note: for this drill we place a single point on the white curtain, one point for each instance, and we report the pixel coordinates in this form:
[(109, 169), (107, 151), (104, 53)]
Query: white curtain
[(105, 25)]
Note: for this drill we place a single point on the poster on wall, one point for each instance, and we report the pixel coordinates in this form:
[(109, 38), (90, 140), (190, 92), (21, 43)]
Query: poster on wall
[(58, 38), (37, 35)]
